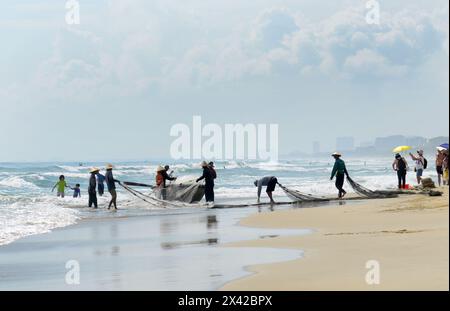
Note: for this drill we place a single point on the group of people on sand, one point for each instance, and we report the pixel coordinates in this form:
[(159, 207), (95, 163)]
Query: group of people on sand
[(339, 171), (400, 165), (209, 175), (96, 185), (97, 180)]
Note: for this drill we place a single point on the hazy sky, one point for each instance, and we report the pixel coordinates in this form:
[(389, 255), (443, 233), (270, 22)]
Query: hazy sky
[(113, 86)]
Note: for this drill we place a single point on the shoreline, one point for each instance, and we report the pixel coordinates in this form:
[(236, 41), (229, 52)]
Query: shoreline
[(407, 236), (140, 253)]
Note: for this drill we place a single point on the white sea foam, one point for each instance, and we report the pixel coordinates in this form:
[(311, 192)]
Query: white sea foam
[(27, 205), (29, 217), (16, 182)]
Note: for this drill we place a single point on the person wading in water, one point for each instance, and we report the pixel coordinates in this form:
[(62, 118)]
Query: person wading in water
[(111, 184), (92, 189), (209, 182)]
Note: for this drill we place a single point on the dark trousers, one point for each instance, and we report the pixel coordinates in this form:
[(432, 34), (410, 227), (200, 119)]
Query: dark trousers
[(113, 198), (92, 199), (209, 192), (340, 178), (401, 175), (101, 189)]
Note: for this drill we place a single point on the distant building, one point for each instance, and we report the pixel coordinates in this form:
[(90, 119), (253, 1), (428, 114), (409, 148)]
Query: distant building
[(345, 144), (416, 141), (365, 144), (386, 144), (316, 147)]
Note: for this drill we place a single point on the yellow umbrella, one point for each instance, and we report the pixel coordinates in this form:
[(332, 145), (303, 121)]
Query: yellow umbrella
[(401, 149)]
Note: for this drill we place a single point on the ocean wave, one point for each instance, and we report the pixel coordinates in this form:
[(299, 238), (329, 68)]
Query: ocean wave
[(16, 182), (22, 219)]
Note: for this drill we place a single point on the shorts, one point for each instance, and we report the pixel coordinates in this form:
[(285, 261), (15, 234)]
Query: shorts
[(419, 172), (271, 185), (439, 170)]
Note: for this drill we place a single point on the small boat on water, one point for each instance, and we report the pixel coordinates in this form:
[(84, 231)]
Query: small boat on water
[(181, 192)]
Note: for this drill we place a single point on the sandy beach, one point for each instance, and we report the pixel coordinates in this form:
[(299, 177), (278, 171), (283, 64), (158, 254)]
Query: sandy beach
[(408, 236)]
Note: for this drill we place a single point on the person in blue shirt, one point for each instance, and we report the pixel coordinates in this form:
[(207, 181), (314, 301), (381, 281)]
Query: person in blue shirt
[(77, 191), (100, 184)]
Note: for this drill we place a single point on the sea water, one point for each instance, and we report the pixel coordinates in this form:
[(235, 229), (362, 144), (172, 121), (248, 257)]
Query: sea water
[(28, 206)]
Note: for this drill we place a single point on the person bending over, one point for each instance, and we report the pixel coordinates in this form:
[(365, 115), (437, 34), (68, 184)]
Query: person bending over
[(270, 182)]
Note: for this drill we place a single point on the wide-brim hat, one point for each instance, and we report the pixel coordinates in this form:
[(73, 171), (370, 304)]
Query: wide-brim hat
[(94, 169), (160, 169), (204, 163), (109, 166), (336, 154)]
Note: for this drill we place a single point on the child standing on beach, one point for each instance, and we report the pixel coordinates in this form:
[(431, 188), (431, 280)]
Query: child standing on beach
[(61, 185), (77, 191)]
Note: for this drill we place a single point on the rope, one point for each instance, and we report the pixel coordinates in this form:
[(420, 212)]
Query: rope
[(137, 194)]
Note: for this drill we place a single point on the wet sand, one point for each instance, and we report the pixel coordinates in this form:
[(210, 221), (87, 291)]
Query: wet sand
[(407, 236), (180, 251)]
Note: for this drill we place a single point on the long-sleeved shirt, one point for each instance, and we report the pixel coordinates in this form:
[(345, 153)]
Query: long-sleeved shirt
[(166, 177), (92, 184), (110, 181), (100, 178), (339, 168), (207, 176), (262, 183)]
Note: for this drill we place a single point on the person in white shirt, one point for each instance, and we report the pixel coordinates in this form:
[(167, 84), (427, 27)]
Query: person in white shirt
[(419, 164)]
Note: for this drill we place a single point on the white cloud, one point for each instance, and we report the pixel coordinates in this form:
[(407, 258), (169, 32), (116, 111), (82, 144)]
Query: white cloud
[(148, 52), (367, 61)]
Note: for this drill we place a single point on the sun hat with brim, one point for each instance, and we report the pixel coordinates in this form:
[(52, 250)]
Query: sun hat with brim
[(336, 154), (160, 169), (204, 163), (94, 169), (109, 166)]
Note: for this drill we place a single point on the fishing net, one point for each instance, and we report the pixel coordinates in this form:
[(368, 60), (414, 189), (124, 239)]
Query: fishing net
[(301, 197), (361, 190), (176, 195), (190, 192)]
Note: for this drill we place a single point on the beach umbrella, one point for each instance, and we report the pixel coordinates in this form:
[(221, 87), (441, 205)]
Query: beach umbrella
[(445, 146), (401, 149)]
